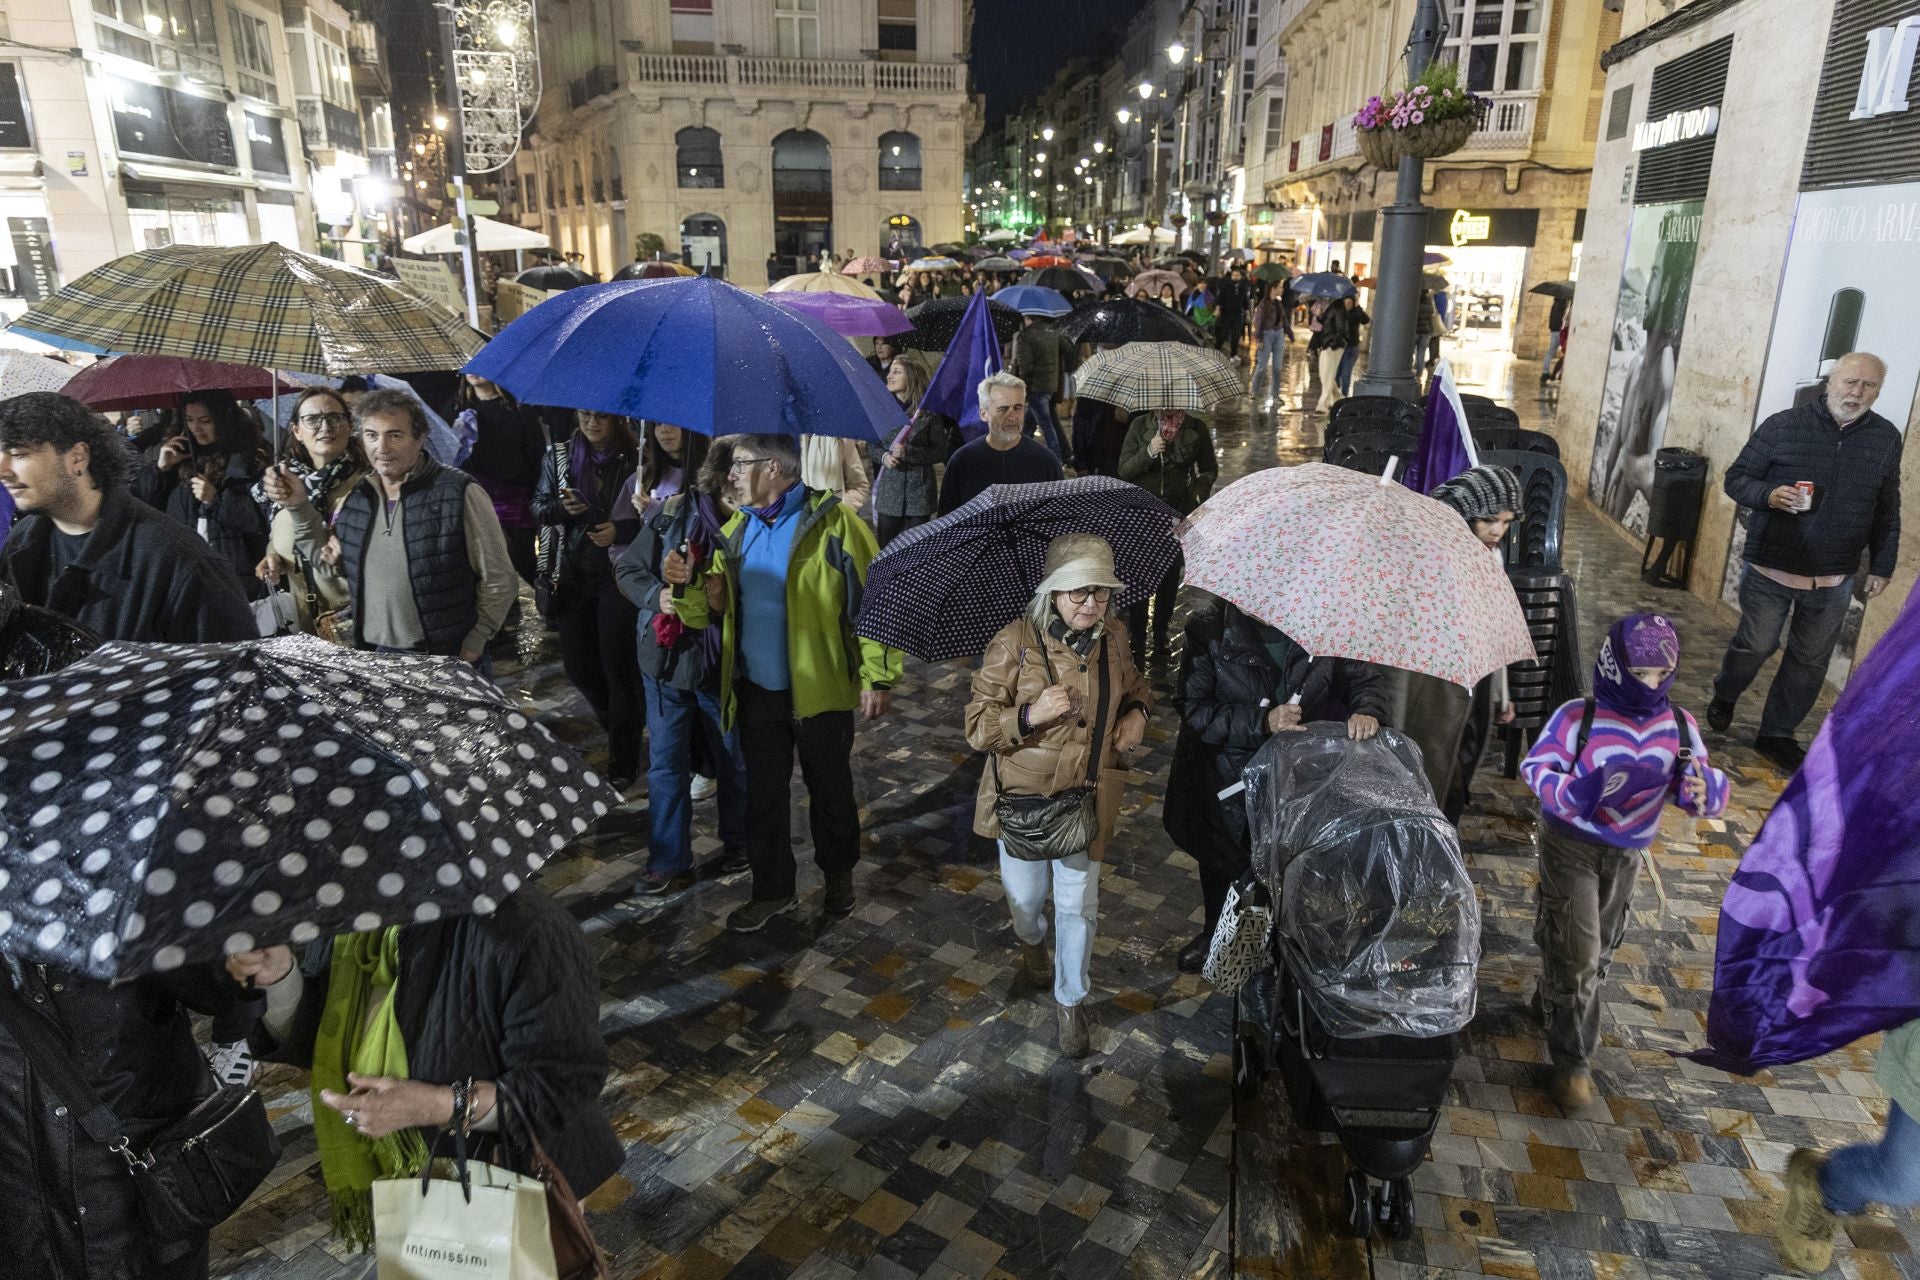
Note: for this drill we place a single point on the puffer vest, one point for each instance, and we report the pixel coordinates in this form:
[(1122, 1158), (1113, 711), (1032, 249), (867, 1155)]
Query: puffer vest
[(433, 521)]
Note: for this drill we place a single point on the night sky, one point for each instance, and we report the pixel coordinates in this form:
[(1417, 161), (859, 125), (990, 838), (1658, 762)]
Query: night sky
[(1017, 44)]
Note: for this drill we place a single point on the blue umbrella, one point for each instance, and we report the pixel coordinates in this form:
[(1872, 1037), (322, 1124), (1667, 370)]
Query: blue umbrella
[(1324, 284), (1034, 300), (697, 352)]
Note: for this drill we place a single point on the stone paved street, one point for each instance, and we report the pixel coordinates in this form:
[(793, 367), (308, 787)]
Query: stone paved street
[(879, 1097)]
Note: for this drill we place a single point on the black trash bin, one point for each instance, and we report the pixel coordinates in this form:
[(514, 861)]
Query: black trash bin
[(1673, 521)]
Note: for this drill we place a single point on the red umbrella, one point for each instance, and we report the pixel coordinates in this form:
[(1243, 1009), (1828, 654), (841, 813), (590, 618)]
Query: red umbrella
[(165, 382), (1047, 260)]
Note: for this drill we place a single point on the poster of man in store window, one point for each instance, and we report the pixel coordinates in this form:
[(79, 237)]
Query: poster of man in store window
[(1644, 357)]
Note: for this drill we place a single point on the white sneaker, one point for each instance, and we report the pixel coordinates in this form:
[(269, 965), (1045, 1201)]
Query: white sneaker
[(232, 1063), (703, 787)]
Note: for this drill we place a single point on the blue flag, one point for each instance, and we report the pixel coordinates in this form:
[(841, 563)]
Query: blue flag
[(1446, 445), (974, 353)]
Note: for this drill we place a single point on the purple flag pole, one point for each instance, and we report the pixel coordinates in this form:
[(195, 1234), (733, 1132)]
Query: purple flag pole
[(973, 354), (1819, 940), (1446, 445)]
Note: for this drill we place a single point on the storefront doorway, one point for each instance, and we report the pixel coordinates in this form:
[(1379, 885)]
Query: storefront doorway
[(1483, 297)]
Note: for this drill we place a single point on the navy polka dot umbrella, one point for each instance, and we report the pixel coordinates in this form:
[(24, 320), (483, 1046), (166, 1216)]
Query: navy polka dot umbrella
[(944, 589), (166, 804)]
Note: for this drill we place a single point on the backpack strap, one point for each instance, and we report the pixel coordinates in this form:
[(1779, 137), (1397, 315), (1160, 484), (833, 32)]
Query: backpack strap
[(1586, 729)]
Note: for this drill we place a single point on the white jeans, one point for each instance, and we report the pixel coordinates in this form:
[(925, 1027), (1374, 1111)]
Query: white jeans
[(1329, 371), (1076, 912)]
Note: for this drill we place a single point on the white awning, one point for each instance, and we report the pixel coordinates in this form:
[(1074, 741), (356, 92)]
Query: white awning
[(490, 236), (145, 172)]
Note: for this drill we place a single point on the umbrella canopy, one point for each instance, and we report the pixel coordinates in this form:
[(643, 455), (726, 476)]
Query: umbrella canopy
[(1352, 566), (701, 353), (1434, 280), (1002, 236), (1062, 279), (950, 248), (1272, 272), (257, 304), (554, 278), (654, 271), (1032, 300), (1554, 288), (935, 323), (942, 590), (443, 443), (933, 264), (1160, 375), (1040, 261), (849, 317), (488, 237), (165, 382), (1324, 284), (175, 802), (24, 371), (1112, 321), (1433, 259), (823, 282), (1106, 268), (996, 263), (866, 265), (1140, 235), (1149, 283)]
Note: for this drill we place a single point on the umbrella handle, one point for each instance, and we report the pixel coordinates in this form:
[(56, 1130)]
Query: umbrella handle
[(1386, 475)]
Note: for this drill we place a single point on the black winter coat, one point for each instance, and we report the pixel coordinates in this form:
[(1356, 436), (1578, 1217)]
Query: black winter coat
[(236, 526), (142, 577), (134, 1044), (1225, 674), (35, 641), (512, 997), (584, 568), (638, 575), (1857, 469)]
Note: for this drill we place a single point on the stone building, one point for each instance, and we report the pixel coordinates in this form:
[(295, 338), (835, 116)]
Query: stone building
[(748, 133), (1509, 209), (1755, 214)]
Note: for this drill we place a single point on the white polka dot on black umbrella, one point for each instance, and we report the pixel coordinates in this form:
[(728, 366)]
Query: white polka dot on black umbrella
[(944, 589), (161, 805)]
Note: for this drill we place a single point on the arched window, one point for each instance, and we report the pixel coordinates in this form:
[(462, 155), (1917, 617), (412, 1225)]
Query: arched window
[(599, 179), (615, 181), (579, 187), (703, 244), (802, 198), (697, 158), (899, 161)]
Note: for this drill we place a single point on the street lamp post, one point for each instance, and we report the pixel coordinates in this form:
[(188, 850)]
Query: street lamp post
[(1391, 366)]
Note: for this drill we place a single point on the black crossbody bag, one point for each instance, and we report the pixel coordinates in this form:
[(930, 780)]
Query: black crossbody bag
[(196, 1171)]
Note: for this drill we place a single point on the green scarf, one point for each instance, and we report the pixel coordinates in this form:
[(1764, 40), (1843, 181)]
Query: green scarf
[(366, 966)]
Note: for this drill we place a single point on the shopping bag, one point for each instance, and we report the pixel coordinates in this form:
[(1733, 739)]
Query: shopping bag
[(274, 614), (1239, 945), (430, 1228)]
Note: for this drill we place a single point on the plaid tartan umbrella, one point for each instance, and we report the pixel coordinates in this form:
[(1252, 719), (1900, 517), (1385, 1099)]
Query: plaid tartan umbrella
[(1160, 375), (258, 304), (944, 589)]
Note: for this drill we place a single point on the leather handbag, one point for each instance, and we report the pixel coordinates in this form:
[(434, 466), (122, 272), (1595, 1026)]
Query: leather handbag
[(196, 1171), (1037, 828), (577, 1256)]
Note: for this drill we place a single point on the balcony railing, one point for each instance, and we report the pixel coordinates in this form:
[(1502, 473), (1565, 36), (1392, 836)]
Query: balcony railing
[(1509, 125), (806, 73)]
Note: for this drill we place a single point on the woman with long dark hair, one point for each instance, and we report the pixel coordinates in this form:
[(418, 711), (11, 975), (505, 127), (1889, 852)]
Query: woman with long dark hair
[(578, 493), (905, 491), (204, 477), (503, 441)]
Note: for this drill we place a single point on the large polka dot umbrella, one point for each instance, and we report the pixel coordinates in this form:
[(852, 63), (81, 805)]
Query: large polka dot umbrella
[(166, 804)]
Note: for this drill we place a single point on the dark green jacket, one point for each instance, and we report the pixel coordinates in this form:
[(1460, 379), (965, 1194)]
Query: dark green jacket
[(1183, 474)]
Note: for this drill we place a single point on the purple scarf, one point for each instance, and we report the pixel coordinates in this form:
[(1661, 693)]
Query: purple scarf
[(1639, 640)]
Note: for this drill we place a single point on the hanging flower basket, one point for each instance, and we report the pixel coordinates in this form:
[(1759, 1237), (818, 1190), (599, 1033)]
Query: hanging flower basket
[(1380, 148), (1431, 139)]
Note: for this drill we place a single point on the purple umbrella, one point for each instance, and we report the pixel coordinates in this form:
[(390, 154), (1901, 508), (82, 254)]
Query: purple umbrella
[(848, 316)]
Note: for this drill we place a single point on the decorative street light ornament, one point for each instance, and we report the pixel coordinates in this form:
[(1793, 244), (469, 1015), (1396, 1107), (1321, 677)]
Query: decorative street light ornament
[(496, 65)]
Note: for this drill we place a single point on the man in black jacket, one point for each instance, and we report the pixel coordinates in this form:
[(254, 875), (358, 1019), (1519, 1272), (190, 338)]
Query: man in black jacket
[(1803, 549), (90, 551)]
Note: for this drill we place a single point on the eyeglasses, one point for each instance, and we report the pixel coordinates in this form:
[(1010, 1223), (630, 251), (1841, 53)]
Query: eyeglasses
[(1100, 595), (324, 419), (739, 463)]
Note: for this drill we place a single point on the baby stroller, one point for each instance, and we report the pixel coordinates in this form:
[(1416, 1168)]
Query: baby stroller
[(1373, 955)]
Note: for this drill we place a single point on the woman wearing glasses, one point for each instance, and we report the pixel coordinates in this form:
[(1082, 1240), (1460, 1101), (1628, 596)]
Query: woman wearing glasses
[(1058, 706), (322, 464)]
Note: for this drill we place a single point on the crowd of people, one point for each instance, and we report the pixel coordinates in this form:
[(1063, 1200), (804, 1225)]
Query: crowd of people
[(702, 594)]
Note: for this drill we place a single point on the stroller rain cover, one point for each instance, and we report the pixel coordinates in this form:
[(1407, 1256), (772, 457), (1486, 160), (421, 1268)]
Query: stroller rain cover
[(1376, 916)]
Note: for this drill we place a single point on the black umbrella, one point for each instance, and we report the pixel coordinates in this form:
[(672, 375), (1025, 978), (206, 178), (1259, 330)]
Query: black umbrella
[(1117, 320), (163, 804), (1554, 288), (942, 590), (936, 323), (1108, 268), (1067, 280), (557, 276)]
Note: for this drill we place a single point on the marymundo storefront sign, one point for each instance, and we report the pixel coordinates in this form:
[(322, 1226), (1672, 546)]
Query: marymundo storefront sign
[(1888, 70), (1681, 126)]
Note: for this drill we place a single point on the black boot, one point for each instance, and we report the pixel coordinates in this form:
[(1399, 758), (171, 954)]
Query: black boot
[(1194, 954)]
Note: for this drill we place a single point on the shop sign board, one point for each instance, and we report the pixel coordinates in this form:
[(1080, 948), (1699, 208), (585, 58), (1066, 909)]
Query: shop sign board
[(433, 280), (1680, 126), (1888, 69), (1865, 125), (1468, 228), (34, 271)]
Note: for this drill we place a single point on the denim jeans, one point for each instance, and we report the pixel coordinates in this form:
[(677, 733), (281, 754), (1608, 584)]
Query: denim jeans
[(1076, 914), (1885, 1172), (1816, 619), (1553, 349), (674, 717), (1272, 354), (1040, 413), (1344, 378)]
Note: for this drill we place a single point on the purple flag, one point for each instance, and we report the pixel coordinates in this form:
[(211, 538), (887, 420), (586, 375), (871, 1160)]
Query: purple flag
[(973, 354), (1446, 446), (1819, 939)]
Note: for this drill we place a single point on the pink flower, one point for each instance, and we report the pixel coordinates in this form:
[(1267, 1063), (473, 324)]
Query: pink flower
[(1419, 116)]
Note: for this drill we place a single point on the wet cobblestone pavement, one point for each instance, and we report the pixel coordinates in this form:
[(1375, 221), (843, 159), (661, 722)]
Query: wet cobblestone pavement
[(879, 1096)]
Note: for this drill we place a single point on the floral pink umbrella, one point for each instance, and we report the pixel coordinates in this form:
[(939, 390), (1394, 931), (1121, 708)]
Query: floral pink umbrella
[(1352, 566)]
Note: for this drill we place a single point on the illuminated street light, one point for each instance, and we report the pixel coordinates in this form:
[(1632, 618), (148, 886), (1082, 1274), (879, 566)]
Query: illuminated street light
[(1041, 156), (1123, 115), (1099, 146), (506, 33), (1176, 53), (440, 121), (1145, 90), (1047, 133), (1036, 173)]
